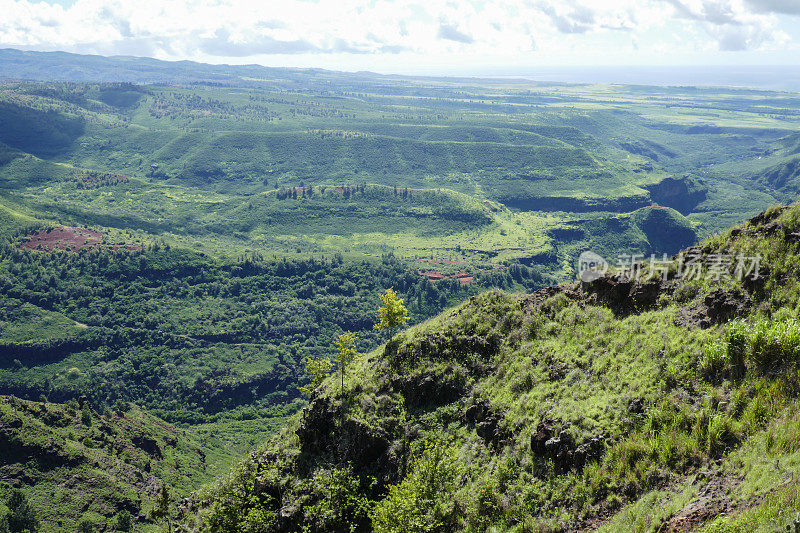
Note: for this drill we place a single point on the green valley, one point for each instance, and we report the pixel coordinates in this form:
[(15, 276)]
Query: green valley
[(177, 240)]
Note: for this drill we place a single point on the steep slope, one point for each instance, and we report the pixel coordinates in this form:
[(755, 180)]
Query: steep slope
[(633, 405), (75, 463), (783, 176), (190, 338)]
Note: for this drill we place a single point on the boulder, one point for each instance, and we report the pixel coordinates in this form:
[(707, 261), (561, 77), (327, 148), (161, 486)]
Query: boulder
[(723, 306), (562, 449), (625, 297), (488, 424)]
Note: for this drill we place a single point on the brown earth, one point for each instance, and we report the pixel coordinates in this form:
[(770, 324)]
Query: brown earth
[(66, 238), (434, 275)]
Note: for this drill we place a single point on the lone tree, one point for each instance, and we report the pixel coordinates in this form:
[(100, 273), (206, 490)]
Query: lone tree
[(393, 313), (161, 508), (21, 518), (346, 345), (318, 369)]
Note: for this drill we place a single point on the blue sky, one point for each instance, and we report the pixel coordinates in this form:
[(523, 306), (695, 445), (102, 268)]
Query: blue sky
[(414, 36)]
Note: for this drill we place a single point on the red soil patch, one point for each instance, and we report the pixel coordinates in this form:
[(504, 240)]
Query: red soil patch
[(90, 179), (433, 275), (463, 278), (74, 239)]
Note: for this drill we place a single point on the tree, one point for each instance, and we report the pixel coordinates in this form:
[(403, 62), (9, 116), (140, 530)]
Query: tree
[(318, 369), (161, 509), (124, 521), (424, 499), (21, 517), (393, 313), (346, 345), (86, 414), (85, 526)]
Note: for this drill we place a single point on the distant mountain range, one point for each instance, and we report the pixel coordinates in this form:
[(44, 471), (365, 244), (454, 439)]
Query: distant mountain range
[(64, 66)]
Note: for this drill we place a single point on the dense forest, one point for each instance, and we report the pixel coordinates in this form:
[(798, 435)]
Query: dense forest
[(187, 252), (188, 336)]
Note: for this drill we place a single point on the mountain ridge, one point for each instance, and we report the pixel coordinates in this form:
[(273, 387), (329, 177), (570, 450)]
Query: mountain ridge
[(568, 392)]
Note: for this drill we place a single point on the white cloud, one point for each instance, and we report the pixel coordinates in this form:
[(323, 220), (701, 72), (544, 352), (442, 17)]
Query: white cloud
[(451, 33), (786, 7), (236, 30)]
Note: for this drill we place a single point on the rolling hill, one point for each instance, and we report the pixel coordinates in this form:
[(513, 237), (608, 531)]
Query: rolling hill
[(665, 403), (182, 237)]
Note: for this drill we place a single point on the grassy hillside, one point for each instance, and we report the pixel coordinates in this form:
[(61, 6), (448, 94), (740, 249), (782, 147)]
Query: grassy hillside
[(191, 338), (77, 464), (625, 405), (203, 162)]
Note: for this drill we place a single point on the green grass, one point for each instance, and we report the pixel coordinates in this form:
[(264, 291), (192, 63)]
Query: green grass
[(30, 324), (509, 181), (83, 462), (720, 399)]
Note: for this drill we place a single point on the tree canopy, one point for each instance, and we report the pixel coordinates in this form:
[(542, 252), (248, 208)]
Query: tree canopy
[(393, 313)]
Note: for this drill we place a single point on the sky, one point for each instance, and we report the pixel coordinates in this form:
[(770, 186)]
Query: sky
[(500, 37)]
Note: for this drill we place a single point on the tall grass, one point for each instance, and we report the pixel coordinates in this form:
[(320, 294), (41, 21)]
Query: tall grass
[(761, 346)]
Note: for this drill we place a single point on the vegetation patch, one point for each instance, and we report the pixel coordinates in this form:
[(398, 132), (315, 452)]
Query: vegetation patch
[(69, 239), (551, 411)]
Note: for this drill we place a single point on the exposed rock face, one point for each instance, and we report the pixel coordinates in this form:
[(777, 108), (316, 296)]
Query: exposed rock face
[(682, 194), (767, 216), (562, 448), (544, 432), (324, 434), (723, 306), (718, 307), (148, 445), (625, 297), (429, 389), (535, 299), (620, 204), (487, 423)]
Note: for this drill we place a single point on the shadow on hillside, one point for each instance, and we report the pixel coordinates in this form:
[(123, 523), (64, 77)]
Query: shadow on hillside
[(42, 133)]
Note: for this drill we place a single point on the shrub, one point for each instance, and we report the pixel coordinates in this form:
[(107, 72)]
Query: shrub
[(21, 517), (424, 500), (247, 500), (86, 414), (487, 506), (715, 359), (343, 506), (85, 526), (124, 521), (736, 339), (762, 345), (776, 342)]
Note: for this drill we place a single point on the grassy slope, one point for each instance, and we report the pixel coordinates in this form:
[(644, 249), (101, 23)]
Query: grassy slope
[(680, 423), (531, 147), (74, 465)]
